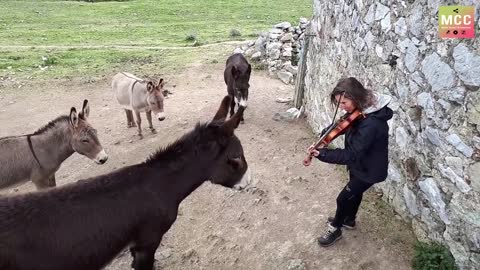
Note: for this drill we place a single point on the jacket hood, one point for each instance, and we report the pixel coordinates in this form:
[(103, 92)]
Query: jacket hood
[(380, 109)]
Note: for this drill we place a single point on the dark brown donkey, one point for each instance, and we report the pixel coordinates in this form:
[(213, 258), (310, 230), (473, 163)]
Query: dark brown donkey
[(84, 225), (38, 156), (236, 76)]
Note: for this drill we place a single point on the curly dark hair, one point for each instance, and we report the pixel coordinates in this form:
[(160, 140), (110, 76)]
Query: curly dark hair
[(351, 88)]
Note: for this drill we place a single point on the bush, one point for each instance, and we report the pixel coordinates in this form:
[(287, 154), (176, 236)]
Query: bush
[(235, 33), (14, 57), (191, 37), (49, 60), (432, 257)]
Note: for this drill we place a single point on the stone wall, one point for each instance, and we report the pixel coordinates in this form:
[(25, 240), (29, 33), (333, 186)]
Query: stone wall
[(278, 49), (393, 47)]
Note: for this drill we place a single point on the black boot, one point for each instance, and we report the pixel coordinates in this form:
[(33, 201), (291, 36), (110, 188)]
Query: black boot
[(332, 235), (348, 223)]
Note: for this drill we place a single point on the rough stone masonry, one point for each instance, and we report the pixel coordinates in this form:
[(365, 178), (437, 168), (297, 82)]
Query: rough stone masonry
[(278, 49), (394, 47)]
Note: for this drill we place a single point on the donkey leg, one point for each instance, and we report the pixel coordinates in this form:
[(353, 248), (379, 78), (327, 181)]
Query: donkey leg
[(130, 122), (150, 125), (242, 121), (139, 124), (144, 259), (51, 181), (128, 118), (43, 182), (144, 254)]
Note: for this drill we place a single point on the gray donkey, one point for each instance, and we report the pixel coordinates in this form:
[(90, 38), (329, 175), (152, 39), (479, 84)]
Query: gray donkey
[(138, 95), (38, 156)]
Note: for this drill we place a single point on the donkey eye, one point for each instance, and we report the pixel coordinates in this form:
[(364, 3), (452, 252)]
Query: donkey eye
[(85, 140)]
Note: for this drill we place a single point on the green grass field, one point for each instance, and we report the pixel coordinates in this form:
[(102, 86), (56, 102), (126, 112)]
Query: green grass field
[(165, 23), (29, 63)]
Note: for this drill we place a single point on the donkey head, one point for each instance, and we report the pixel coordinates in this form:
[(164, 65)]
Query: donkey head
[(155, 97), (84, 138), (241, 77), (230, 167)]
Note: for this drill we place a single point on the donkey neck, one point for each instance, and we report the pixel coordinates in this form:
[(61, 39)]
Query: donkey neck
[(182, 174), (185, 164), (190, 178), (53, 145)]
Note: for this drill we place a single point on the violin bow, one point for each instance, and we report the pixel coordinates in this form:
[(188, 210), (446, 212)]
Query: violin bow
[(331, 124)]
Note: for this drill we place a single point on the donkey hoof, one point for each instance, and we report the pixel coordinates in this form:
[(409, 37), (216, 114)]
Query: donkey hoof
[(140, 136), (153, 131)]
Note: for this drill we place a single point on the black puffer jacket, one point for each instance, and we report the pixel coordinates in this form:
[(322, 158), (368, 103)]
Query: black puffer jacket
[(366, 148)]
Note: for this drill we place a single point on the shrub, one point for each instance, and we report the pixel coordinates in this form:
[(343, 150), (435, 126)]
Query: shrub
[(49, 60), (14, 57), (432, 257), (235, 33), (191, 37)]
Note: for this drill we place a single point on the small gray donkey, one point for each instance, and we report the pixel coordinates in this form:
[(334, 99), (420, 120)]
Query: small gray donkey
[(38, 156)]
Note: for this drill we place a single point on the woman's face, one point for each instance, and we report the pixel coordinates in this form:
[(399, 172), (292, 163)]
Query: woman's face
[(346, 104)]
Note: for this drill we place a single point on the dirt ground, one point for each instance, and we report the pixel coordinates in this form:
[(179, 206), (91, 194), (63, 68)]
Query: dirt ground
[(271, 226)]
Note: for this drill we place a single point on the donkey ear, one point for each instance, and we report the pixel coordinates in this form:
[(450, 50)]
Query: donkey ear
[(150, 87), (161, 83), (229, 126), (85, 110), (223, 110), (73, 117)]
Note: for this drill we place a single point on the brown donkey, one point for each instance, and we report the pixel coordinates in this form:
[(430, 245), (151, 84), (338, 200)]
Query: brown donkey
[(84, 225), (38, 156)]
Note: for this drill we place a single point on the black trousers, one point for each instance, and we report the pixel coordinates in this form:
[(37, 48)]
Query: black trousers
[(349, 200)]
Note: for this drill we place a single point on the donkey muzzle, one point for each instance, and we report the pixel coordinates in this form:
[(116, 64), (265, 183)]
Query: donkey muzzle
[(241, 101), (161, 116), (245, 181), (101, 157)]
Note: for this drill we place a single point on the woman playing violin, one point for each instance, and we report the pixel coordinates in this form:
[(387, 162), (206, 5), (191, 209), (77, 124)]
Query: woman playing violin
[(365, 153)]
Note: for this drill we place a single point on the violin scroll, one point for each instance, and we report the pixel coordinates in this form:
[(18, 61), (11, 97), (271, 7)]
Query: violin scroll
[(308, 159)]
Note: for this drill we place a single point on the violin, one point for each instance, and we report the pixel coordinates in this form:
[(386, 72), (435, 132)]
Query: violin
[(333, 132)]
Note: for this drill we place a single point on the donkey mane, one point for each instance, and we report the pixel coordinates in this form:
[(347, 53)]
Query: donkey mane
[(190, 140), (51, 124)]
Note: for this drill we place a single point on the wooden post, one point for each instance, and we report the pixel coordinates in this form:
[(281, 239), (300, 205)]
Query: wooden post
[(302, 68)]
